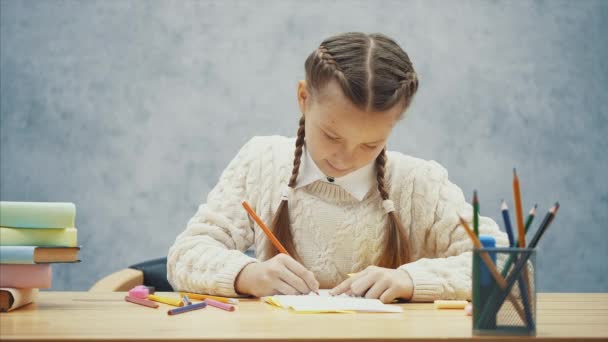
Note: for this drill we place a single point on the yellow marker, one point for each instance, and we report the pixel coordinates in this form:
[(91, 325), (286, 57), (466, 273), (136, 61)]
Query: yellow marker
[(165, 300)]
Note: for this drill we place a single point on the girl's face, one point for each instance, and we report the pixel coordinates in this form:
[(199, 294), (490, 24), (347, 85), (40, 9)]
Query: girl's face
[(340, 137)]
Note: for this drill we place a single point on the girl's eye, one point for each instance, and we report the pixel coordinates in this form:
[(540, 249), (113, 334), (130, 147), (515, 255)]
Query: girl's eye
[(330, 137), (369, 147)]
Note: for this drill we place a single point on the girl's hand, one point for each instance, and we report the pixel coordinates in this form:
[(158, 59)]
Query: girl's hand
[(376, 282), (278, 275)]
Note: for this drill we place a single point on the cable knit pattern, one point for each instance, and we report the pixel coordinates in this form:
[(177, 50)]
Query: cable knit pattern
[(334, 234)]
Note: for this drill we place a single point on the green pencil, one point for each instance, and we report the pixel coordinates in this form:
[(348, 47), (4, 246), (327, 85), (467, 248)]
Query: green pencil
[(475, 213), (477, 304), (530, 218)]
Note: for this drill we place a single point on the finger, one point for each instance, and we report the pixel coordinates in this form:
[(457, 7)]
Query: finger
[(304, 274), (376, 290), (284, 288), (389, 295), (342, 287), (362, 284), (293, 280)]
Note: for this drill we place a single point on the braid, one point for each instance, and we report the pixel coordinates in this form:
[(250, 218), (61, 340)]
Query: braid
[(324, 66), (281, 225), (396, 252), (380, 165), (297, 154), (326, 58), (409, 85)]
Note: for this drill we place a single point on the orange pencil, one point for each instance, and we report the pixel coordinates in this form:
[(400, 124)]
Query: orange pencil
[(519, 214), (491, 267), (484, 256), (267, 231)]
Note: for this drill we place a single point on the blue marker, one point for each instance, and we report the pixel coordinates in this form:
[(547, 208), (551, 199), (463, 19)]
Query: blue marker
[(485, 279), (187, 308)]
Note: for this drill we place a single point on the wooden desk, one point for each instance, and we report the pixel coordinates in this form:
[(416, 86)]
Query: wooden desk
[(60, 316)]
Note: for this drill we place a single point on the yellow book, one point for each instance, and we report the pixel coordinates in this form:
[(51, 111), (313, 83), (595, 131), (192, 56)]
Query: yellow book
[(43, 237)]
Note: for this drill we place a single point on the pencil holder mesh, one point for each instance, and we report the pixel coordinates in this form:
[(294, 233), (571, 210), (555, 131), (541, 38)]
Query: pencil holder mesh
[(509, 307)]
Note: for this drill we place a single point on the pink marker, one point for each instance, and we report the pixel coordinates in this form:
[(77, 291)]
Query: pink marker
[(220, 305)]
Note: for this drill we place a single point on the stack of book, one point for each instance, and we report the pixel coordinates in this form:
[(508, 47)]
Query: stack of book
[(33, 235)]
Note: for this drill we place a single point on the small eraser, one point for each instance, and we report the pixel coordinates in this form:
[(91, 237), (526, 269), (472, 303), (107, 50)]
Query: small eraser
[(139, 291), (468, 310), (450, 304)]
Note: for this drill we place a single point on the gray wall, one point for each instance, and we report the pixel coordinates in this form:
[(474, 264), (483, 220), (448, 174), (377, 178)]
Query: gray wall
[(131, 109)]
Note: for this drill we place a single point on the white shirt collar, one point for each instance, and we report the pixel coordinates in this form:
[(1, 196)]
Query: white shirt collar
[(356, 183)]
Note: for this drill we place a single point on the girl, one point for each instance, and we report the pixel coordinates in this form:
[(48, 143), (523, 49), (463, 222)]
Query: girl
[(338, 201)]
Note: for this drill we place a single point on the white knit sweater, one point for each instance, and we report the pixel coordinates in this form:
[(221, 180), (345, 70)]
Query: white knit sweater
[(334, 233)]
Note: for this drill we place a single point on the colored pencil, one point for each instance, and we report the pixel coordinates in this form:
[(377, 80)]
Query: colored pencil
[(491, 267), (165, 300), (524, 278), (267, 231), (216, 298), (484, 256), (141, 301), (508, 228), (531, 217), (544, 225), (220, 305), (475, 213), (521, 231), (187, 308), (476, 261)]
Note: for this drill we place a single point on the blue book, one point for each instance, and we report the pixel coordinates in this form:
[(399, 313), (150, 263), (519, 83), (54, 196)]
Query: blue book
[(38, 255)]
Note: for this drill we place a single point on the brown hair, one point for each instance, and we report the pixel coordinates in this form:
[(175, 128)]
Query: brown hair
[(375, 74)]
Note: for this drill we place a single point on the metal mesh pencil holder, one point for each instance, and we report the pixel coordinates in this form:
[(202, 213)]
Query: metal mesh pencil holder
[(504, 306)]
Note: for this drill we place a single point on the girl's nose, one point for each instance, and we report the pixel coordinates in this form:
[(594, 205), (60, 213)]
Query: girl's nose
[(344, 158)]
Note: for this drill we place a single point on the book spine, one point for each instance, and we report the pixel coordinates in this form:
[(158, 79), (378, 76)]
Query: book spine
[(37, 214), (66, 237)]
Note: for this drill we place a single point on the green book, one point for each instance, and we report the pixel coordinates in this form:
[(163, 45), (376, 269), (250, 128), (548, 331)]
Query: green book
[(37, 214), (45, 237)]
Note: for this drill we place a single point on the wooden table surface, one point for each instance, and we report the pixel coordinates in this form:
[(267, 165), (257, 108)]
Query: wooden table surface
[(61, 316)]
